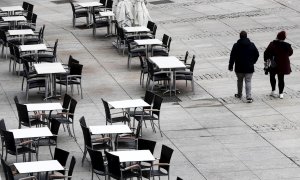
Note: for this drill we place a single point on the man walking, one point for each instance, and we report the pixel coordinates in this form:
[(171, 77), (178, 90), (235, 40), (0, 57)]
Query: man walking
[(244, 55)]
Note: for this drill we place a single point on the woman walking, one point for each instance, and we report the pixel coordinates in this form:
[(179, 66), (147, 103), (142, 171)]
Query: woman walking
[(278, 53)]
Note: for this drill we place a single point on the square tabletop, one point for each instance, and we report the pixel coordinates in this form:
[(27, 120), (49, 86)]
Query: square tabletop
[(33, 47), (20, 32), (11, 8), (31, 132), (89, 4), (43, 106), (14, 18), (38, 166), (167, 62), (106, 13), (110, 129), (147, 41), (136, 29), (134, 155), (131, 103), (49, 68)]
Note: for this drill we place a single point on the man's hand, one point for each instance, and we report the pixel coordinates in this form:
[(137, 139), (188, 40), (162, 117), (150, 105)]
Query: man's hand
[(230, 69)]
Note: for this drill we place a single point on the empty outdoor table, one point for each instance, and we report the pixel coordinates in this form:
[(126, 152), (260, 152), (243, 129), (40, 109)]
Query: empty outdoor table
[(38, 166), (11, 9), (148, 42), (14, 19), (44, 106), (131, 103), (127, 104), (136, 29), (109, 129), (51, 69), (169, 62), (31, 133), (89, 5), (21, 33), (134, 155), (33, 47)]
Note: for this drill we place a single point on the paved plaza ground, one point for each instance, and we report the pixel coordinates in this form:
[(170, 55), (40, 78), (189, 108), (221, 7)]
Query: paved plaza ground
[(214, 135)]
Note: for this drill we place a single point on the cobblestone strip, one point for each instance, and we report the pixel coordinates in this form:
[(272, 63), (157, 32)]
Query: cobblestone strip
[(254, 13)]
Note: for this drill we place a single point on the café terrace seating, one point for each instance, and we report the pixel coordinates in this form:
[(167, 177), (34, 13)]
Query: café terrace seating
[(97, 145)]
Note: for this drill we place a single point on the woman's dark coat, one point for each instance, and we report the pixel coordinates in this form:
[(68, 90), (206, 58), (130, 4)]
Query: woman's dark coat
[(280, 51)]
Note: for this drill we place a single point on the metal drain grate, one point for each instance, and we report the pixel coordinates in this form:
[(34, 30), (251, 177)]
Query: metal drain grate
[(161, 2), (63, 1), (168, 99)]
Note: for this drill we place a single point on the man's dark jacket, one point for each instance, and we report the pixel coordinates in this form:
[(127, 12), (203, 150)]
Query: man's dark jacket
[(244, 55)]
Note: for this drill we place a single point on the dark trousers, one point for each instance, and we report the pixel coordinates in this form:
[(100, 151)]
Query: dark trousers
[(280, 81)]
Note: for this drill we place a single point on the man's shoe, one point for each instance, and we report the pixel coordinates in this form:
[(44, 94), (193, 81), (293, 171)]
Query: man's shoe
[(281, 96), (238, 96), (273, 94), (249, 100)]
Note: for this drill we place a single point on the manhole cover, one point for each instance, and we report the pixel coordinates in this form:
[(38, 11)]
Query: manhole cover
[(161, 2)]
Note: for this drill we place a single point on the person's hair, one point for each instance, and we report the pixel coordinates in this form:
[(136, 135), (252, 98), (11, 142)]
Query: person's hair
[(281, 35), (243, 34)]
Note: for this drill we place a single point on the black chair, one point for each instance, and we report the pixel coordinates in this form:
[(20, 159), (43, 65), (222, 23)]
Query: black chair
[(12, 57), (68, 117), (164, 48), (4, 41), (25, 120), (128, 140), (116, 171), (30, 23), (33, 80), (70, 62), (49, 141), (152, 114), (36, 38), (65, 108), (163, 165), (99, 144), (122, 39), (109, 119), (98, 166), (156, 76), (144, 70), (2, 128), (150, 35), (149, 97), (57, 175), (48, 55), (35, 116), (134, 51), (99, 21), (187, 75), (144, 144), (9, 175), (20, 59), (16, 149), (27, 7), (73, 78), (79, 12), (61, 156)]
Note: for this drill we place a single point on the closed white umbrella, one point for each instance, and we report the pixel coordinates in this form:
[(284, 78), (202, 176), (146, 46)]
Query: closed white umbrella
[(124, 13), (141, 13)]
